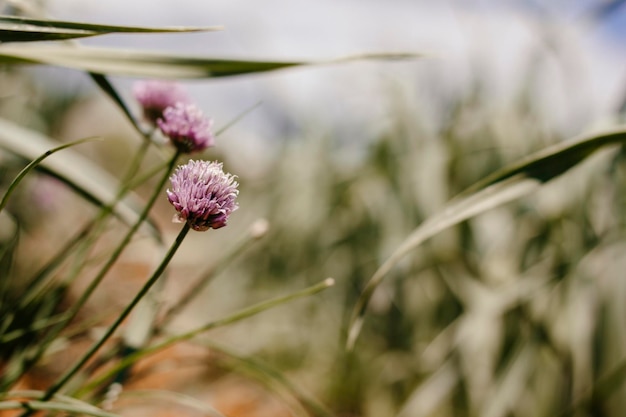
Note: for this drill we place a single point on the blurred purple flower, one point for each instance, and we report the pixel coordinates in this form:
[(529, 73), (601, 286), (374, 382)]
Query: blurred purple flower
[(155, 96), (203, 195), (187, 127)]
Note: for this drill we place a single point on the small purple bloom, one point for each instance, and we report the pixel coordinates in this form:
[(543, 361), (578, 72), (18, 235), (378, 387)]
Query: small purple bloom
[(155, 96), (203, 195), (187, 127)]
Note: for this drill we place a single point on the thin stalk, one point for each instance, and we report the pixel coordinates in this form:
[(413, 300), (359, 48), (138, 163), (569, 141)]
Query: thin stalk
[(238, 316), (144, 290)]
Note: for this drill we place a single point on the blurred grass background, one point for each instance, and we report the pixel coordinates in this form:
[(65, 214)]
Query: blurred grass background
[(517, 312)]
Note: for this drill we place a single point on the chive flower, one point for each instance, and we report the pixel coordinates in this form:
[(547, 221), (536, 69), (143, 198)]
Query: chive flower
[(203, 195), (187, 128), (155, 96)]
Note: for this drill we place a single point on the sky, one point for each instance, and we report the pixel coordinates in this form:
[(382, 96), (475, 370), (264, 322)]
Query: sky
[(583, 58)]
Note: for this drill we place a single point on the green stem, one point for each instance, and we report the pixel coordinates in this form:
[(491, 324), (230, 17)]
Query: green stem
[(144, 290)]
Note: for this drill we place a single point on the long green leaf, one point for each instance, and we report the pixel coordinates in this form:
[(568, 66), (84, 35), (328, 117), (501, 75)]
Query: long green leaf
[(105, 85), (499, 188), (88, 179), (21, 29), (127, 62)]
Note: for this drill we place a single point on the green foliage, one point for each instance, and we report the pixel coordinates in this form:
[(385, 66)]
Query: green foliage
[(499, 188), (487, 306), (454, 299)]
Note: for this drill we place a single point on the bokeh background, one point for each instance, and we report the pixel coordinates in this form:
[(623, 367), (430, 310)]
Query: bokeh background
[(517, 312)]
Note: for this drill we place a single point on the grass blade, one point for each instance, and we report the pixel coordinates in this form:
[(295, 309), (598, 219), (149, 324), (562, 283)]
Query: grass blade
[(21, 29), (127, 62)]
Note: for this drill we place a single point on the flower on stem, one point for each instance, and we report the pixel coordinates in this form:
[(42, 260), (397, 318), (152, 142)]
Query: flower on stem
[(203, 195), (187, 128), (155, 96)]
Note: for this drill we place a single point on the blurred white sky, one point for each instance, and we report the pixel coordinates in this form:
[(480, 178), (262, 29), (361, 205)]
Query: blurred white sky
[(583, 71)]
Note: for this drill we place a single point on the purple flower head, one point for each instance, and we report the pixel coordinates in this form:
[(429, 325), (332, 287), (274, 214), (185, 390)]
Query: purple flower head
[(186, 126), (155, 96), (203, 195)]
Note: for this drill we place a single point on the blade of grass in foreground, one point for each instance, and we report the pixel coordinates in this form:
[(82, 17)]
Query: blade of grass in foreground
[(499, 188), (22, 29), (134, 63)]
